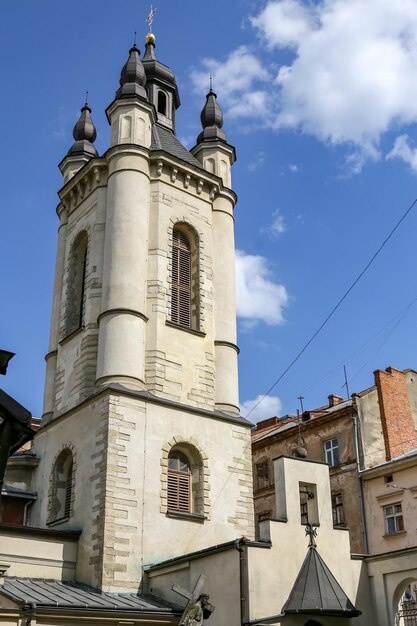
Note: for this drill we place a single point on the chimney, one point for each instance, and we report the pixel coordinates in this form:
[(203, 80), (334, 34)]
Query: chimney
[(333, 399), (396, 417)]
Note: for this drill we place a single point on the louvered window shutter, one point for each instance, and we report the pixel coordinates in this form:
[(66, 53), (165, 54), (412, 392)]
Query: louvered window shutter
[(68, 493), (181, 280), (179, 484)]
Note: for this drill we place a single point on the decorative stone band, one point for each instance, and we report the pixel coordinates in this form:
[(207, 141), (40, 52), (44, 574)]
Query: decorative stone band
[(51, 354), (122, 312), (227, 344)]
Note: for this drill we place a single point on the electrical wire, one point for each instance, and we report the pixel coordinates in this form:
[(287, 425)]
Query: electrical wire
[(335, 308)]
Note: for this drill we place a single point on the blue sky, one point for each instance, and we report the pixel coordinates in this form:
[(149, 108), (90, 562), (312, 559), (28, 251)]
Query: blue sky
[(320, 101)]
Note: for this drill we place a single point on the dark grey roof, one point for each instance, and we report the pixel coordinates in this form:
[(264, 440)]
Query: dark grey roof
[(67, 595), (164, 139), (316, 591)]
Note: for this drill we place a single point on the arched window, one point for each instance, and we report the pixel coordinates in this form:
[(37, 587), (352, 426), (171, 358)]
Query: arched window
[(179, 483), (76, 283), (62, 486), (162, 103), (184, 293)]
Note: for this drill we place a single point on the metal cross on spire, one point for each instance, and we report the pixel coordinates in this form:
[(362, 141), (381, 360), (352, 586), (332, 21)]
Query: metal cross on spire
[(312, 533), (149, 19)]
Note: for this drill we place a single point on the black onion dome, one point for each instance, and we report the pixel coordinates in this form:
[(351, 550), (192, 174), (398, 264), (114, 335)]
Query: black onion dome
[(211, 120), (132, 77), (84, 134), (211, 115)]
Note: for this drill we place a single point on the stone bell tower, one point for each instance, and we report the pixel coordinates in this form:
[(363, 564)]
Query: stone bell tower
[(142, 440)]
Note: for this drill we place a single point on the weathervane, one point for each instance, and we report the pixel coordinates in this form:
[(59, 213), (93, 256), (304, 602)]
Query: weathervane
[(149, 19)]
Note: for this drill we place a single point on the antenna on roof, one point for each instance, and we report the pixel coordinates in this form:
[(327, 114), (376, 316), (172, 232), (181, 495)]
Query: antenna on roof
[(346, 383), (301, 398)]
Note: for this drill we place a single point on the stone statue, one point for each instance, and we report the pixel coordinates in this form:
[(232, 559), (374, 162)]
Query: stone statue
[(196, 612)]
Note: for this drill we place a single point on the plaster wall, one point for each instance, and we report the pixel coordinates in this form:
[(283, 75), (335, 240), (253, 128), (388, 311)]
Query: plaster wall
[(222, 584), (36, 555), (379, 494), (389, 576), (411, 379)]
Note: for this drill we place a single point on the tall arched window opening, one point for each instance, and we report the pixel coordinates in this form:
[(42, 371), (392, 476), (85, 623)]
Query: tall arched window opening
[(62, 487), (185, 279), (179, 483), (162, 103), (76, 284)]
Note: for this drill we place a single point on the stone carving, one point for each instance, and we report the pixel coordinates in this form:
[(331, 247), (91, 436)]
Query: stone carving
[(195, 613)]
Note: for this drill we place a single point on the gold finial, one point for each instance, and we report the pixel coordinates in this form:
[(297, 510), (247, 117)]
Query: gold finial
[(150, 38), (149, 19)]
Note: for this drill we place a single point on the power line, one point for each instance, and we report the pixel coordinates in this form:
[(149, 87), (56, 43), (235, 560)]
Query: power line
[(337, 305)]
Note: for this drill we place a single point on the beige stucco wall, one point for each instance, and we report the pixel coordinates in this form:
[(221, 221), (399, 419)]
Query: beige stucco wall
[(389, 576), (35, 554), (378, 494)]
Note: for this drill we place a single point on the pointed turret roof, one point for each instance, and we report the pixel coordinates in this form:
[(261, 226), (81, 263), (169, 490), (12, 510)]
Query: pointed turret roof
[(211, 120), (84, 134), (317, 592)]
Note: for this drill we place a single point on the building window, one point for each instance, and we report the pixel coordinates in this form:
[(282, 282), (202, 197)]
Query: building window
[(179, 483), (184, 289), (162, 103), (337, 510), (75, 301), (394, 522), (331, 452), (62, 487), (262, 475)]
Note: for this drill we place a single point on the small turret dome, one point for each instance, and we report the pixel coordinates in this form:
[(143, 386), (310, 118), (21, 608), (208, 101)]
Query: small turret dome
[(84, 134), (211, 120), (132, 77)]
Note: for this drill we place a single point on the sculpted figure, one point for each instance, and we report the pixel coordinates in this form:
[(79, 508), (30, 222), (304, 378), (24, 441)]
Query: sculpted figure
[(197, 612)]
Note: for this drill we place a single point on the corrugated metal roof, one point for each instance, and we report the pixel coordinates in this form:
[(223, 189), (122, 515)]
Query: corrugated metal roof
[(164, 139), (316, 591), (58, 594)]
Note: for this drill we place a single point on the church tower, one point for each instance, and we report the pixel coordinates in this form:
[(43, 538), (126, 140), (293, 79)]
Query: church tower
[(142, 446)]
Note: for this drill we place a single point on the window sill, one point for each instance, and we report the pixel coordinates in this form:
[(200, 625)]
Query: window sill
[(73, 334), (199, 333), (191, 517), (396, 534), (55, 522)]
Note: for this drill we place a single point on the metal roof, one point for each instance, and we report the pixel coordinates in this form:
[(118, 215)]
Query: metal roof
[(164, 139), (316, 591), (69, 595)]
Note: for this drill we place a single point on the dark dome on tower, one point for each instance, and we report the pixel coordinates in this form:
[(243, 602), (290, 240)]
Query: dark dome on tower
[(132, 77), (211, 120), (84, 134)]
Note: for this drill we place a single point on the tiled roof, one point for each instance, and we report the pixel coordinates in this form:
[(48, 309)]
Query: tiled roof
[(57, 594), (164, 139)]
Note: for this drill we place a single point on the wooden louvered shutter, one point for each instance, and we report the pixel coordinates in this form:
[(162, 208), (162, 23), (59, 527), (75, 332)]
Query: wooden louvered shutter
[(179, 482), (68, 492), (181, 280)]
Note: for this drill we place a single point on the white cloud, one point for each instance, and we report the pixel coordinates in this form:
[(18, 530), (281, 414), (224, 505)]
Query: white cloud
[(277, 227), (269, 407), (258, 297), (293, 168), (403, 150), (238, 73), (285, 23), (350, 73)]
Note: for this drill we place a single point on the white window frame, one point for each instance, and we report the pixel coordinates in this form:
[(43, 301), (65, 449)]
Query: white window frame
[(331, 451), (394, 520)]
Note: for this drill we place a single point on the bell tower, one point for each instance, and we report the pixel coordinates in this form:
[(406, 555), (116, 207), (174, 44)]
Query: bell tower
[(142, 439)]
